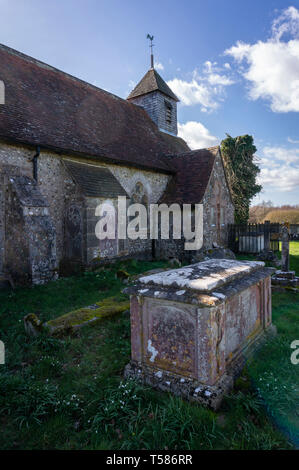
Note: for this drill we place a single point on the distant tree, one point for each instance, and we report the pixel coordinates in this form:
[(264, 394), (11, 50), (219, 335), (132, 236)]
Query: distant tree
[(238, 155), (267, 211), (284, 215)]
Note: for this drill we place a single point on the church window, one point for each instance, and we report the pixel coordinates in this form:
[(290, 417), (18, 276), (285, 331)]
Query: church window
[(222, 216), (213, 216)]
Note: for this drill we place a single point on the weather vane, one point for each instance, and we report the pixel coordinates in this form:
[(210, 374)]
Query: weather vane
[(151, 38)]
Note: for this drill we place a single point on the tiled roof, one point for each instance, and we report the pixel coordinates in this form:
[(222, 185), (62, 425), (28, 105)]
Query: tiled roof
[(193, 171), (95, 181), (177, 143), (151, 81), (54, 110)]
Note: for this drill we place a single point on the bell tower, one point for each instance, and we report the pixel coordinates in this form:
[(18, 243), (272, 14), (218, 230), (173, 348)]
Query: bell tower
[(154, 95)]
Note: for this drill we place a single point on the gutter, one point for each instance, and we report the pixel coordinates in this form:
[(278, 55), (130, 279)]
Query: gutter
[(34, 161)]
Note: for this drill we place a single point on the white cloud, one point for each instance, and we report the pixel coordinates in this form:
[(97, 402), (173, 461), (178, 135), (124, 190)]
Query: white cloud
[(213, 74), (287, 22), (292, 141), (282, 178), (158, 66), (281, 154), (272, 68), (196, 135), (193, 92), (206, 88), (131, 86), (279, 168), (217, 79), (239, 52)]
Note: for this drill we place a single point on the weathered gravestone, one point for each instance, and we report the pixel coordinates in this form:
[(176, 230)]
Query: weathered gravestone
[(285, 277), (285, 249), (193, 328)]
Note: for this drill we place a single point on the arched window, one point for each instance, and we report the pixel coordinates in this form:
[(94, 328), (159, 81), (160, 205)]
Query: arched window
[(139, 194)]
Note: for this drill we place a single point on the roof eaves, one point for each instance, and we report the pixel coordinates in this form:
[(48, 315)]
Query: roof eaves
[(94, 180), (88, 155)]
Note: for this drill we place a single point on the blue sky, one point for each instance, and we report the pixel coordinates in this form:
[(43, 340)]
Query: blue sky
[(233, 64)]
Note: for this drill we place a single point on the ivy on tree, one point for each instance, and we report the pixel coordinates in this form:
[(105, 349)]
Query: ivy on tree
[(239, 161)]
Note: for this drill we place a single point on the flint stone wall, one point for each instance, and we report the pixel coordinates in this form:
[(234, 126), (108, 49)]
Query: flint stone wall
[(71, 213)]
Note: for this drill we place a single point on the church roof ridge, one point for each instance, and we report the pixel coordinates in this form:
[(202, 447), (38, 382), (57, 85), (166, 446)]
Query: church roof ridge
[(213, 150), (49, 67), (50, 108)]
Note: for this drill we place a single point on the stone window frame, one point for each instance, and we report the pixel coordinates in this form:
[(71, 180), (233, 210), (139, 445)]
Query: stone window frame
[(213, 217), (222, 215)]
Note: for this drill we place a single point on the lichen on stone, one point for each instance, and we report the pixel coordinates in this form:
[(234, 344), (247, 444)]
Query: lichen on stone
[(32, 324), (122, 274), (91, 314)]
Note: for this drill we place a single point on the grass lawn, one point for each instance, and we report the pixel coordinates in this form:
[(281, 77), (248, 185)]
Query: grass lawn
[(68, 393)]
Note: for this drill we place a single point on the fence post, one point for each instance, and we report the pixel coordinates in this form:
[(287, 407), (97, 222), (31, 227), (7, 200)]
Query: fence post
[(285, 258), (267, 235)]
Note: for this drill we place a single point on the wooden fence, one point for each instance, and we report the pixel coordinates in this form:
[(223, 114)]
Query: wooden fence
[(253, 238), (294, 231)]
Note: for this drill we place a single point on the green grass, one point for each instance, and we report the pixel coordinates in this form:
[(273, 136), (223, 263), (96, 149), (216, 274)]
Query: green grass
[(68, 393), (294, 256), (272, 374)]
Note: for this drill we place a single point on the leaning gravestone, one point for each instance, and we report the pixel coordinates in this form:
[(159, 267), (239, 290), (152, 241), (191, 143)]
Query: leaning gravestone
[(193, 328)]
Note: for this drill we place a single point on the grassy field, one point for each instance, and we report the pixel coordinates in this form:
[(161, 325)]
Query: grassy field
[(69, 393)]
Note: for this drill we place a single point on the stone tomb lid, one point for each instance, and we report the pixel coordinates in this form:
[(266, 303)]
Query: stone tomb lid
[(204, 276)]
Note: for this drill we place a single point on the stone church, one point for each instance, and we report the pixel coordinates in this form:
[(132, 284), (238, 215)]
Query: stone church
[(66, 146)]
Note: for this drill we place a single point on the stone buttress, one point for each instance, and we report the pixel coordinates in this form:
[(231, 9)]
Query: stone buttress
[(30, 238)]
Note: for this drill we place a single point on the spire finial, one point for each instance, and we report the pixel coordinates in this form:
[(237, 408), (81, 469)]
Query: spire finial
[(151, 38)]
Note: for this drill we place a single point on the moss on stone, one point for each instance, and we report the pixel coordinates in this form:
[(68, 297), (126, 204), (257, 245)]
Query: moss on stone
[(33, 325), (33, 319), (122, 274), (91, 314)]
